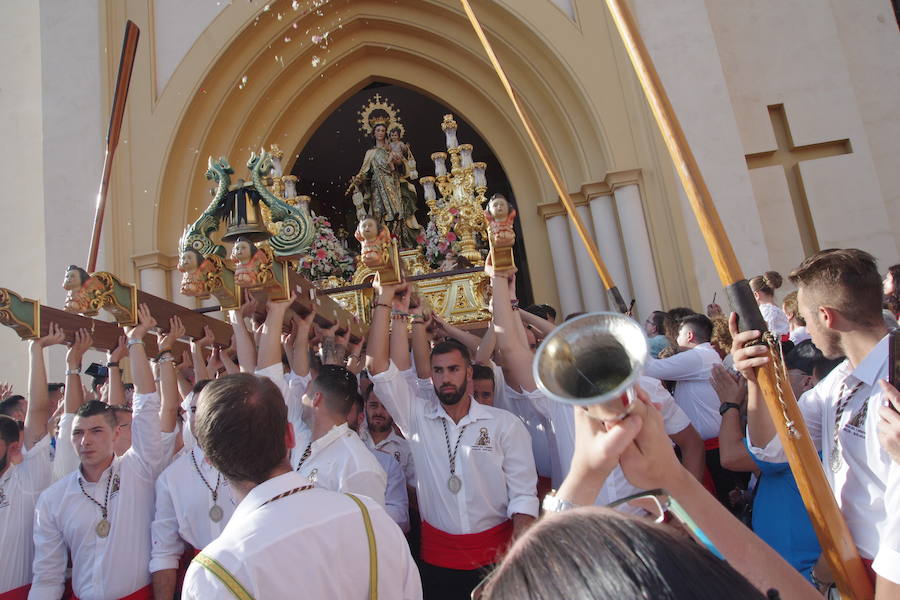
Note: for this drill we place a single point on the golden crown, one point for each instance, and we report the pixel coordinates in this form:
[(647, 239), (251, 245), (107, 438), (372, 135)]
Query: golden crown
[(379, 112)]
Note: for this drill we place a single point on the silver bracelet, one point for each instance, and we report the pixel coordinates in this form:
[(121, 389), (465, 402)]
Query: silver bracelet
[(134, 343), (553, 503)]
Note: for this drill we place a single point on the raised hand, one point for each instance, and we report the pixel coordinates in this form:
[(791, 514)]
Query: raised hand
[(119, 352), (724, 383), (208, 337), (401, 298), (176, 330), (746, 359), (55, 335), (146, 322), (215, 362), (248, 308), (6, 391), (649, 461), (83, 341)]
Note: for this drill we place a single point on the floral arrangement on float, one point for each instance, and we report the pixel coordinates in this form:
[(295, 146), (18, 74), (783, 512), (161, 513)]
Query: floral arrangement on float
[(327, 262), (437, 246)]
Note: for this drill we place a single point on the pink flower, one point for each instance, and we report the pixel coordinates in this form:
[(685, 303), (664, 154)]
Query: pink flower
[(454, 211), (321, 254), (451, 237)]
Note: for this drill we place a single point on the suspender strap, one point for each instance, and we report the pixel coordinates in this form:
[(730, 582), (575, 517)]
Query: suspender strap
[(373, 551), (234, 586)]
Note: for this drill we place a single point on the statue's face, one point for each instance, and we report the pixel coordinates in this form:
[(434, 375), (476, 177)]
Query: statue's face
[(187, 263), (241, 251), (72, 280), (380, 131), (395, 136), (368, 228), (499, 209)]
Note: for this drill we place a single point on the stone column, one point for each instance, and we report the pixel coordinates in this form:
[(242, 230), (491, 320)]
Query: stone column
[(638, 250), (609, 241), (153, 281), (593, 294), (563, 266)]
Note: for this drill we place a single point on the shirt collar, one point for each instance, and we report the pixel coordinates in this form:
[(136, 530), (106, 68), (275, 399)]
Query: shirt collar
[(267, 490), (476, 411), (333, 434), (873, 364)]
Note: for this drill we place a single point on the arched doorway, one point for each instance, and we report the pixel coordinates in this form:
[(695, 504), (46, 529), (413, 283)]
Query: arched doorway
[(334, 152)]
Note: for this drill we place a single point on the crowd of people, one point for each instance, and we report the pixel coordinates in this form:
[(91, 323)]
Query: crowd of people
[(424, 461)]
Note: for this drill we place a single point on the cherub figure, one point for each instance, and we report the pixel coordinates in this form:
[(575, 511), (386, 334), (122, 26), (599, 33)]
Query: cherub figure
[(247, 260), (374, 239), (192, 279), (77, 296), (500, 216)]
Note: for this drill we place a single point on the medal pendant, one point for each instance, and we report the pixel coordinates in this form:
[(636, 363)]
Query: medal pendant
[(455, 484), (216, 513), (835, 459), (102, 528)]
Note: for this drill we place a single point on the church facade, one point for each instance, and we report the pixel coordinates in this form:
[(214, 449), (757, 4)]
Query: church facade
[(790, 109)]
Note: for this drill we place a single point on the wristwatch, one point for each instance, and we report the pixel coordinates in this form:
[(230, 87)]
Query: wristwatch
[(726, 406), (553, 503), (73, 372)]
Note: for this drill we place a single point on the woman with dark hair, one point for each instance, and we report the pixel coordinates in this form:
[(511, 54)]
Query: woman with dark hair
[(593, 553), (892, 290)]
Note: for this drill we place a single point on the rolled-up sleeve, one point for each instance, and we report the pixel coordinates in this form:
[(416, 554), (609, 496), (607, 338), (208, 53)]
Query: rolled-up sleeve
[(519, 469), (166, 544)]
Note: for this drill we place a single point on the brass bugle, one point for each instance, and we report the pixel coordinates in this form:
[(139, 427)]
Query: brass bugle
[(593, 361)]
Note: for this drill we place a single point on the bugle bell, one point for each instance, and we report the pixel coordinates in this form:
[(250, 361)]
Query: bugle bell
[(592, 361)]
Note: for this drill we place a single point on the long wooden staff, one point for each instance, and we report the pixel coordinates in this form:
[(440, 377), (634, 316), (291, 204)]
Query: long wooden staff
[(586, 238), (834, 536), (126, 65)]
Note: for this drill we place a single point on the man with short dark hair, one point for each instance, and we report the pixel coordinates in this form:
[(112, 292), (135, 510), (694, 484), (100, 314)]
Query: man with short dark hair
[(378, 433), (22, 479), (475, 473), (839, 297), (286, 536), (14, 407), (483, 384), (100, 514)]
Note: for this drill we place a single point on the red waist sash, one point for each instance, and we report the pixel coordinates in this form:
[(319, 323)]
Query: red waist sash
[(711, 444), (466, 551), (16, 594), (145, 593)]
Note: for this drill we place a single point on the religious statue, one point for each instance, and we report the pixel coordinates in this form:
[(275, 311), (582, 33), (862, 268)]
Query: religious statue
[(78, 298), (249, 263), (501, 237), (379, 250), (193, 279)]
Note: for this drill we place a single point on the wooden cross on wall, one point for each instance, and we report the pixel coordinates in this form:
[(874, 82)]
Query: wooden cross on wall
[(789, 156)]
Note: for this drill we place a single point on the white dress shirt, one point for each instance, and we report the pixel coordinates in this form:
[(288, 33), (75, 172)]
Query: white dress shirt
[(867, 485), (494, 459), (65, 520), (799, 334), (183, 503), (341, 462), (693, 393), (20, 487), (65, 457), (310, 544), (616, 485), (397, 447), (396, 498)]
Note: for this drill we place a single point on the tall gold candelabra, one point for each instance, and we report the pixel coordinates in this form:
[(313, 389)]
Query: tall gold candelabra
[(460, 207)]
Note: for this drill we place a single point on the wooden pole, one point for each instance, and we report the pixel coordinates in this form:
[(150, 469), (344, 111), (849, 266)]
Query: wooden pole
[(552, 171), (834, 536), (126, 65)]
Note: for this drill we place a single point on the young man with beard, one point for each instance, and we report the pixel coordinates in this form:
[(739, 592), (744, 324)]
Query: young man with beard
[(100, 514), (287, 538), (378, 434), (839, 297), (22, 483), (474, 469)]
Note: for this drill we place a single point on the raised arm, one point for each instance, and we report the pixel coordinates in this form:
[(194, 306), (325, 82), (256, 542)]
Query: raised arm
[(270, 341), (377, 348), (303, 326), (421, 349), (469, 340), (38, 413), (168, 381), (146, 441), (115, 385), (197, 347), (484, 354), (140, 365), (543, 326), (74, 394), (399, 339), (227, 356), (246, 346), (760, 427), (511, 340)]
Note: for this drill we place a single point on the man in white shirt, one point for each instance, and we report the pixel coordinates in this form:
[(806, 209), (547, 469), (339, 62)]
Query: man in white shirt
[(695, 395), (287, 538), (100, 514), (396, 497), (474, 469), (378, 434), (22, 483), (839, 296), (193, 505), (329, 454)]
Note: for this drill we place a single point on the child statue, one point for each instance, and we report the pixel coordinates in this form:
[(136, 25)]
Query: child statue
[(192, 279), (248, 263), (501, 236), (379, 250), (78, 299)]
